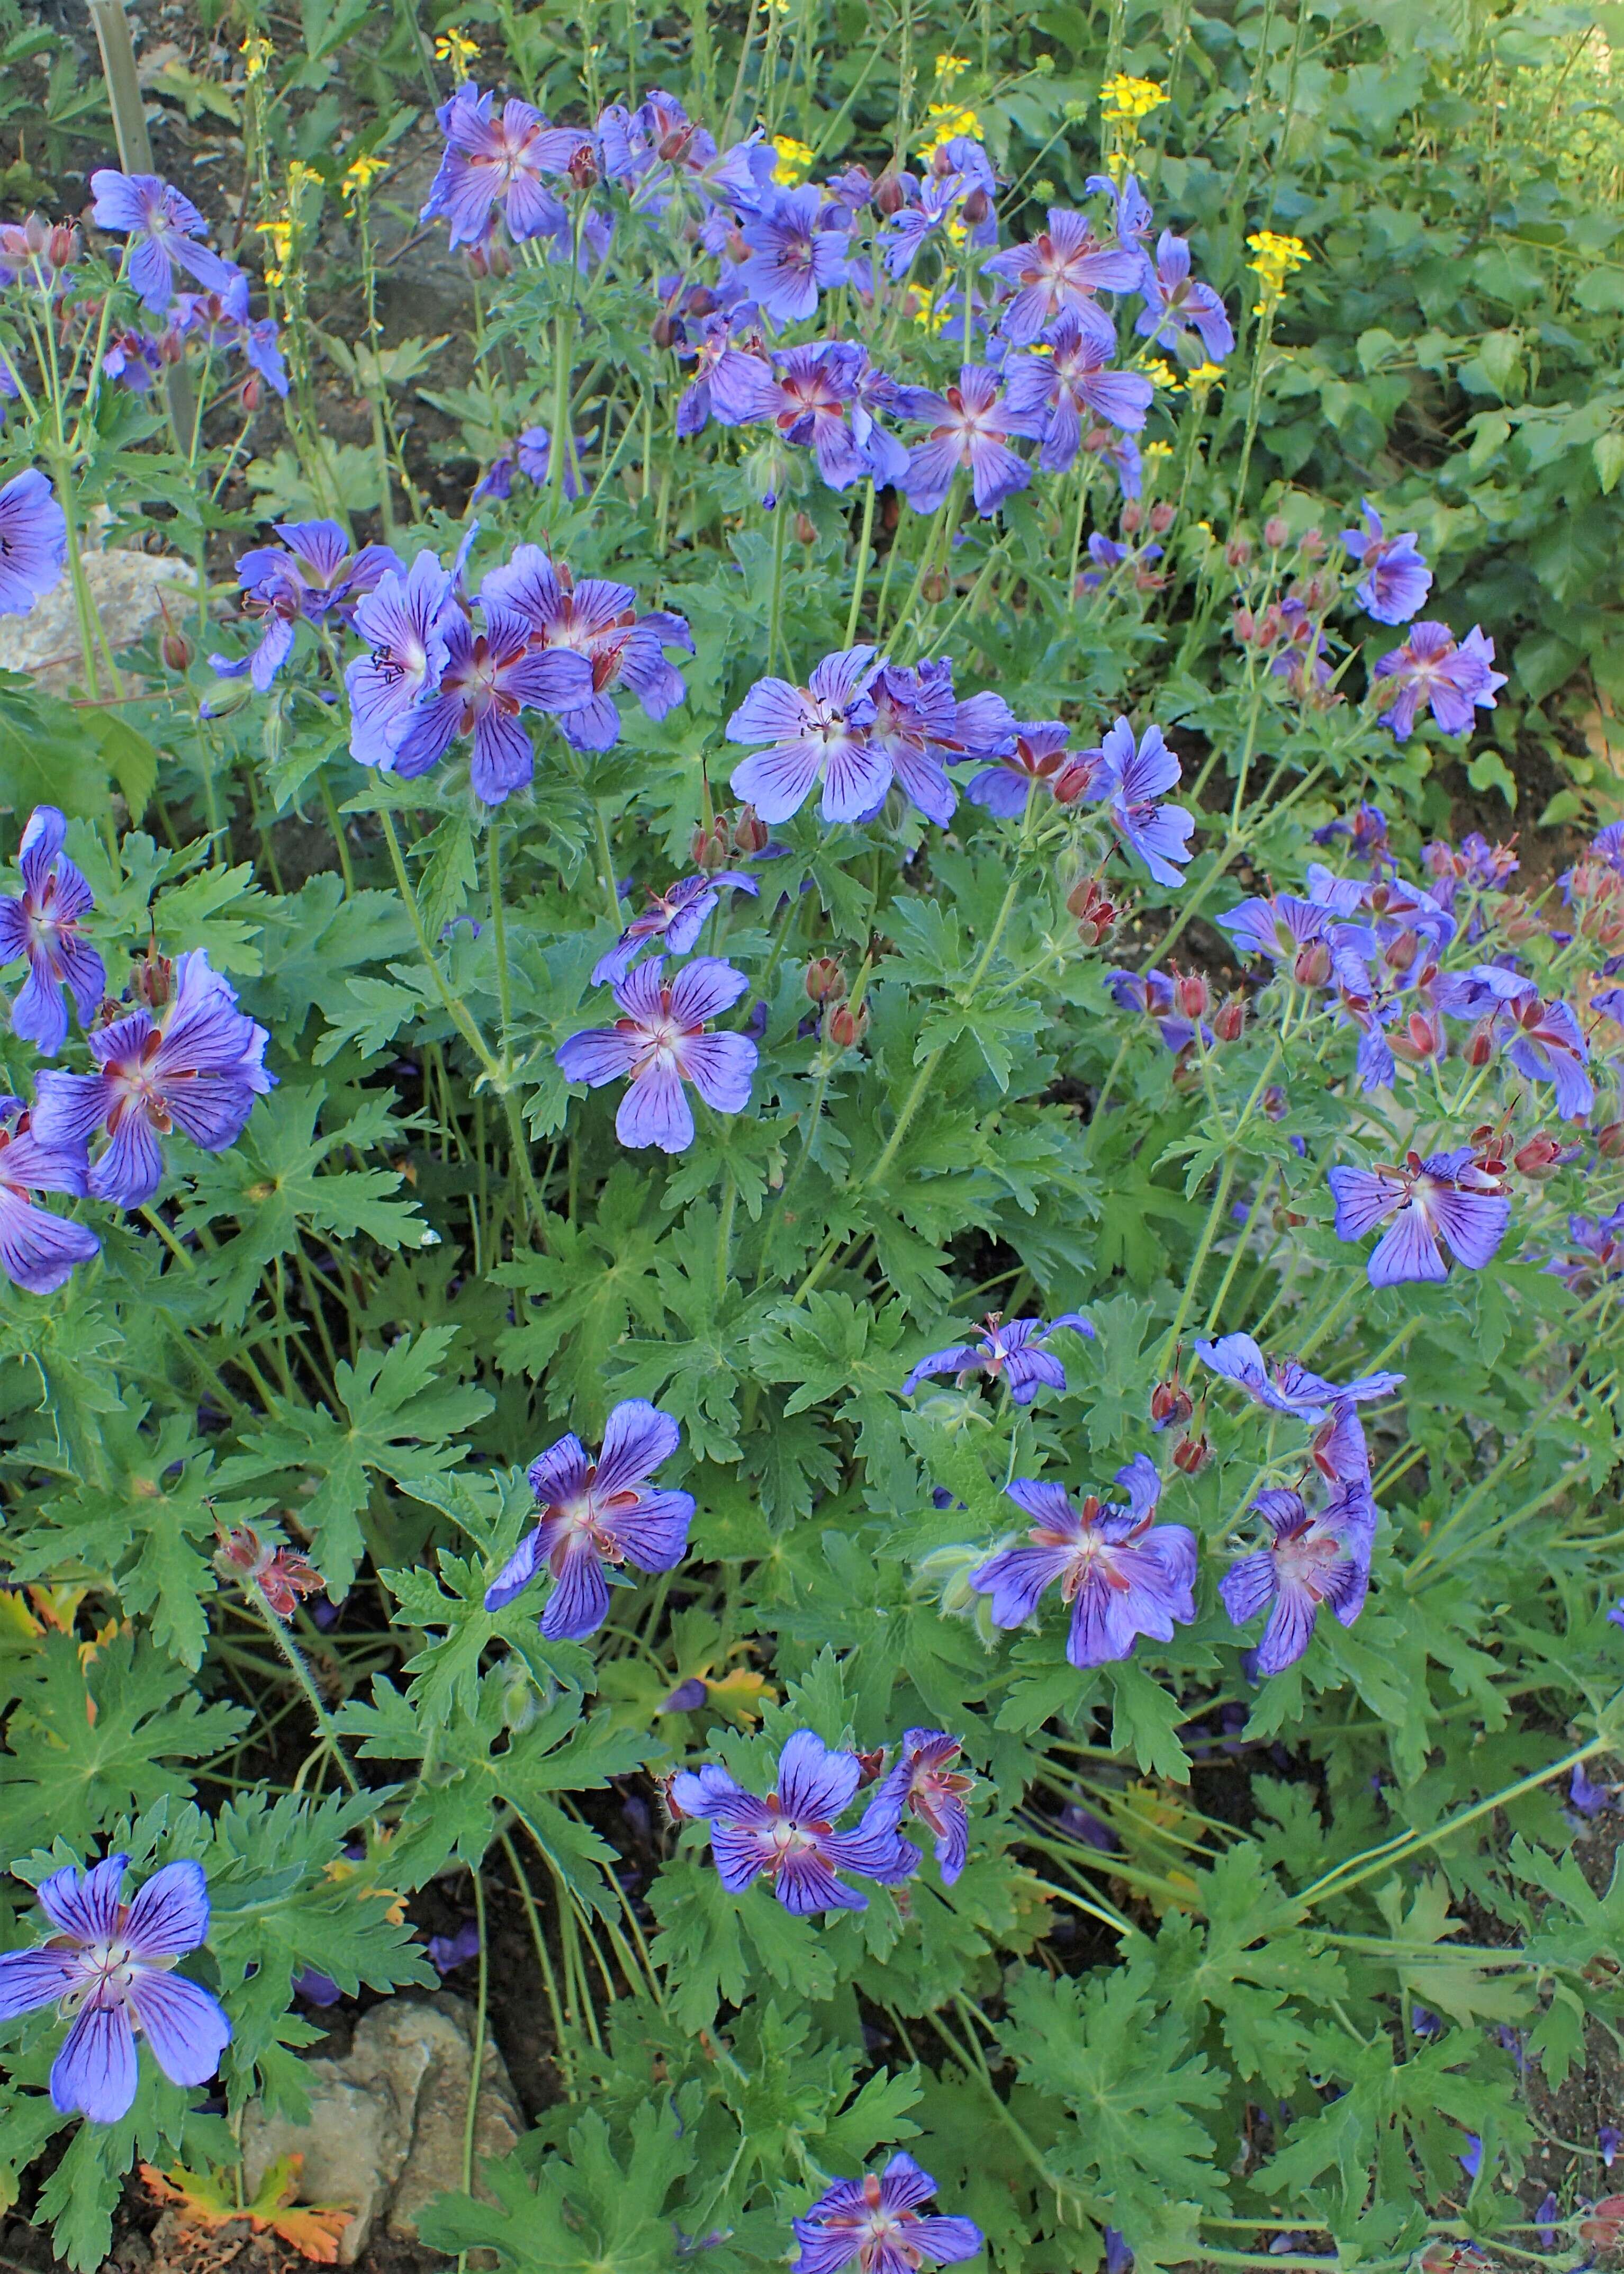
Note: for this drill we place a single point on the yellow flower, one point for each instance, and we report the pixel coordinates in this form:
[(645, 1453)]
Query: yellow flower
[(257, 52), (360, 176), (1277, 257), (944, 121), (951, 67), (1157, 450), (1124, 102), (795, 159), (1206, 375), (930, 309), (1161, 375), (299, 178), (457, 49), (280, 234)]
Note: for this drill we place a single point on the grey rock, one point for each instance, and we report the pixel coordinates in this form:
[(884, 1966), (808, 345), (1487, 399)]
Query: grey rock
[(386, 2126), (129, 592)]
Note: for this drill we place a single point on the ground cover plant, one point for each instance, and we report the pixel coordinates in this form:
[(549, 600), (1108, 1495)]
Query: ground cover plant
[(810, 1193)]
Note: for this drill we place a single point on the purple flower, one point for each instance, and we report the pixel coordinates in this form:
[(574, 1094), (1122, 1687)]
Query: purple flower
[(1038, 756), (1175, 302), (1280, 927), (807, 393), (1288, 1387), (110, 1964), (919, 727), (1061, 269), (489, 677), (1609, 2140), (1432, 671), (1057, 389), (198, 1072), (316, 1988), (675, 917), (42, 923), (796, 251), (1011, 1349), (1323, 1558), (1124, 1576), (312, 574), (38, 1250), (1446, 1196), (531, 456), (925, 1784), (490, 161), (820, 728), (659, 1043), (403, 623), (447, 1952), (790, 1836), (1472, 2162), (969, 426), (1545, 2222), (880, 2221), (1590, 1798), (162, 228), (598, 621), (1548, 1045), (1397, 579), (1140, 774), (34, 541), (928, 215), (221, 321), (133, 359), (1153, 993), (1118, 2257), (597, 1512)]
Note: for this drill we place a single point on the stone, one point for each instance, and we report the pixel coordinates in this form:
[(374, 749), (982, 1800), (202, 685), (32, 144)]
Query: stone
[(386, 2127), (129, 592)]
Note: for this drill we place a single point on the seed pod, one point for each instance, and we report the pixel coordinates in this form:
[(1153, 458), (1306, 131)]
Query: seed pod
[(751, 833), (1190, 1455), (1312, 967), (62, 250), (1610, 1141), (1171, 1402), (176, 650), (1540, 1158), (1192, 994), (846, 1025), (825, 981), (1229, 1019), (708, 847), (1276, 531), (1163, 517)]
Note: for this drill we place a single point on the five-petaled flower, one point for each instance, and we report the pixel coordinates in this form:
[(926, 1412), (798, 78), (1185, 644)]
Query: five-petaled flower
[(924, 1783), (1140, 774), (789, 1837), (880, 2221), (198, 1072), (1396, 578), (1288, 1386), (1312, 1559), (1071, 385), (38, 1250), (1446, 1196), (1124, 1575), (489, 162), (674, 917), (164, 229), (312, 574), (597, 1512), (110, 1964), (491, 674), (598, 621), (1061, 268), (1432, 670), (820, 728), (1175, 300), (660, 1043), (1012, 1350), (404, 623), (33, 540), (43, 924), (970, 424)]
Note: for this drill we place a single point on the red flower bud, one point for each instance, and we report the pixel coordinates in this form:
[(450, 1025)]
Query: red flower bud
[(701, 301), (153, 979), (1603, 2224), (935, 587), (62, 250), (1192, 994), (1480, 1043), (1268, 628), (1237, 552), (1190, 1455), (1276, 531), (1229, 1019), (1162, 519), (1312, 967), (1610, 1141), (1132, 518), (1171, 1402), (806, 528), (976, 207), (869, 1765), (1400, 953), (1245, 625), (751, 833), (1312, 545), (1275, 1102), (846, 1025), (250, 391), (664, 330), (176, 650), (583, 168), (708, 847), (889, 194), (825, 981), (1540, 1158)]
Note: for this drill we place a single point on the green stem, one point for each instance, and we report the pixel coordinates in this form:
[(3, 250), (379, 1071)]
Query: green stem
[(780, 522), (499, 928), (860, 572), (301, 1673)]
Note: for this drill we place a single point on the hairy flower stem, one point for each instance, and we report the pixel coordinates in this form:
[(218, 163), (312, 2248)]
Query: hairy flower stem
[(301, 1673), (780, 524), (861, 567), (499, 930)]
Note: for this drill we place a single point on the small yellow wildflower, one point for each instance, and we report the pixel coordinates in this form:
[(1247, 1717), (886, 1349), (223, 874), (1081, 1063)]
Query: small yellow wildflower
[(1162, 375), (360, 176), (932, 310), (1157, 450), (945, 120), (256, 52), (1206, 375), (1124, 102), (1277, 257), (457, 49), (951, 67), (299, 178), (280, 234), (795, 160)]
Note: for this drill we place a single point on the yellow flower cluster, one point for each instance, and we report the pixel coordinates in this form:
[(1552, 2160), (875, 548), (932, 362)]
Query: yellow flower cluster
[(1124, 102), (1162, 375), (945, 120), (457, 49), (794, 160), (360, 176), (256, 52), (1206, 375), (930, 308), (951, 67), (281, 230), (1277, 257)]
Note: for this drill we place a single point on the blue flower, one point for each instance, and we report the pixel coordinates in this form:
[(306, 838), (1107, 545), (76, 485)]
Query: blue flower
[(796, 250), (880, 2221), (788, 1838), (1397, 579), (925, 1784), (1011, 1349)]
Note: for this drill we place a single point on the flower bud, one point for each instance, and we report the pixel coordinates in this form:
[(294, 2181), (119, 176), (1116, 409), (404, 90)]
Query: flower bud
[(1132, 518), (889, 194), (176, 650), (250, 391), (1229, 1019), (1162, 519), (583, 168), (935, 586), (751, 833), (1417, 1040), (152, 979), (499, 258), (699, 301), (665, 330), (976, 207), (1312, 967), (1098, 438), (1237, 552), (1603, 2224), (825, 981), (1275, 532), (1480, 1043), (805, 530), (1095, 911), (671, 145), (846, 1025), (63, 250), (869, 1765), (1268, 627), (474, 260), (1246, 624), (1190, 1455), (1312, 545), (1610, 1141), (1274, 1102), (172, 348), (708, 847), (1540, 1158), (1192, 994), (1170, 1403)]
